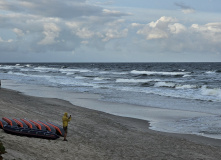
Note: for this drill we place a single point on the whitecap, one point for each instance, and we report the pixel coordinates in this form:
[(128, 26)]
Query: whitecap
[(98, 79), (165, 84), (159, 73), (79, 77), (211, 72), (134, 80), (186, 86), (211, 91)]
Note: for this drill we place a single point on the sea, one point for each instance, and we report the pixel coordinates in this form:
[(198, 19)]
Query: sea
[(174, 97)]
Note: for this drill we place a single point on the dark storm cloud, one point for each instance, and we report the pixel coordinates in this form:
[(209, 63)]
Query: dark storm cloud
[(185, 8)]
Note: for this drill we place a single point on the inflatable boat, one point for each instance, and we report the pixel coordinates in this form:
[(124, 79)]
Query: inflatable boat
[(10, 121), (30, 132), (31, 128), (29, 124), (3, 123), (49, 127), (58, 128)]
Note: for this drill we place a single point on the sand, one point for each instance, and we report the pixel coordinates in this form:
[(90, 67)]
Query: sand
[(95, 135)]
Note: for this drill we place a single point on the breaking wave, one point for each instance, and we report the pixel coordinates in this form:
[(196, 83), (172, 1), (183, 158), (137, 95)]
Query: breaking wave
[(159, 73)]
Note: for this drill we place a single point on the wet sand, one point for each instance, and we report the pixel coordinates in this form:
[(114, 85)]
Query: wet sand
[(95, 135)]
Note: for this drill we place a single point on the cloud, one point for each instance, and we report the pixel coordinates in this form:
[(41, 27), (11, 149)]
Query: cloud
[(6, 41), (168, 35), (176, 28), (18, 32), (114, 13), (161, 28), (52, 8), (115, 34), (56, 27), (51, 31), (33, 27), (185, 9), (209, 31)]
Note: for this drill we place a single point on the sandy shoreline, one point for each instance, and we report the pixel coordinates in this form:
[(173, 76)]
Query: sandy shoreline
[(95, 135)]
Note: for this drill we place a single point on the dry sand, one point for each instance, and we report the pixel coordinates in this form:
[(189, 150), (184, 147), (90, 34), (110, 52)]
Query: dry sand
[(95, 135)]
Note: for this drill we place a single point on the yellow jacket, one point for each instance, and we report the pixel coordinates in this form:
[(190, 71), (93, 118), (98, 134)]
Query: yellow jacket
[(65, 119)]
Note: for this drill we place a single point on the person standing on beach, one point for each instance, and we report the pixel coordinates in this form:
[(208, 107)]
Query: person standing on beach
[(65, 120)]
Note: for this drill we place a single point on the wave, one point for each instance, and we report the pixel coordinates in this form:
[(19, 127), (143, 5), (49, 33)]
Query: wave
[(135, 80), (187, 75), (211, 91), (174, 85), (7, 67), (45, 69), (79, 77), (210, 72), (27, 65), (186, 86), (165, 84), (17, 73), (80, 70), (159, 73), (99, 79)]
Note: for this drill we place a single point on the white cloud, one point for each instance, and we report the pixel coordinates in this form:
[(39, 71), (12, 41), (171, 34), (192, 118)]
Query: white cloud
[(73, 24), (51, 31), (136, 25), (169, 35), (107, 11), (31, 26), (210, 31), (161, 28), (114, 34), (114, 13), (176, 28), (6, 41), (84, 33), (187, 11), (19, 32), (162, 22)]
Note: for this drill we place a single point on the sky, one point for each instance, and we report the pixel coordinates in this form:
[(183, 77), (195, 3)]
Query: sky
[(110, 31)]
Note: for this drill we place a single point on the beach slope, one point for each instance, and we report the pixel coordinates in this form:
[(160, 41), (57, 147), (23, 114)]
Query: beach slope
[(95, 135)]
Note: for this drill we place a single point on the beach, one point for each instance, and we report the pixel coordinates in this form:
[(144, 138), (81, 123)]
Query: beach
[(95, 135)]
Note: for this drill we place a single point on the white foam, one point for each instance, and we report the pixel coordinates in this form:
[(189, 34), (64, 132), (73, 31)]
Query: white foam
[(19, 74), (159, 73), (186, 75), (165, 84), (120, 73), (79, 77), (98, 79), (7, 67), (68, 73), (45, 69), (211, 72), (186, 86), (134, 80), (211, 92)]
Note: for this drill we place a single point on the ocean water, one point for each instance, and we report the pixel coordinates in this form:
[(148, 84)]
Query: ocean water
[(187, 88)]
